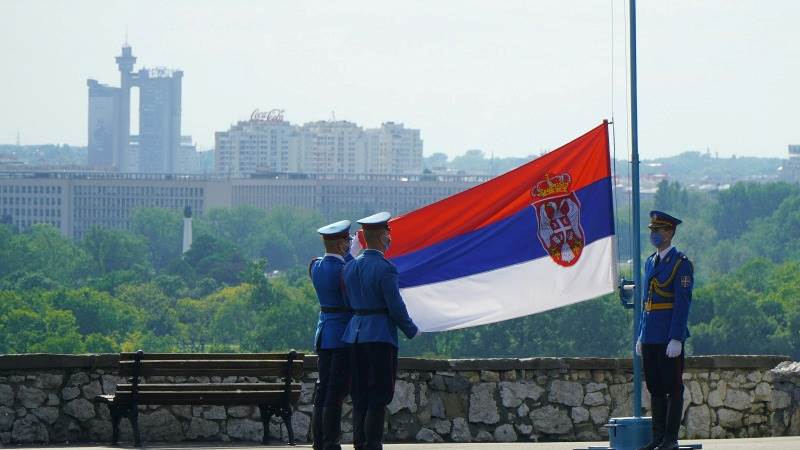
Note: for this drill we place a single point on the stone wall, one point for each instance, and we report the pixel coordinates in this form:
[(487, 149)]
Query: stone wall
[(49, 399)]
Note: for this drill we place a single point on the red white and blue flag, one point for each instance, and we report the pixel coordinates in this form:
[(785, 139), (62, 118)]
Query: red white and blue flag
[(536, 238)]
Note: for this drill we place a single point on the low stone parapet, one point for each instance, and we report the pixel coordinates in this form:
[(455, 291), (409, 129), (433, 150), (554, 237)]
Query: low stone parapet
[(49, 399)]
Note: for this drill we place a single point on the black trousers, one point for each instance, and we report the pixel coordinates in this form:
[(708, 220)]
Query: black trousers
[(334, 376), (663, 375), (664, 379), (374, 369)]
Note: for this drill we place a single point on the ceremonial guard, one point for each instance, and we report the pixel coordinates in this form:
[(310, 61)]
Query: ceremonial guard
[(371, 290), (668, 278), (333, 355)]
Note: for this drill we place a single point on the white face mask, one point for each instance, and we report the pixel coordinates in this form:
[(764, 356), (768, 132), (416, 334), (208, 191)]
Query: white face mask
[(386, 240)]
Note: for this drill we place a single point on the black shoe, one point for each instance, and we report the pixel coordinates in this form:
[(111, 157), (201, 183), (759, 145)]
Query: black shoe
[(668, 444), (658, 404), (331, 427), (652, 445), (373, 428), (316, 428), (674, 416)]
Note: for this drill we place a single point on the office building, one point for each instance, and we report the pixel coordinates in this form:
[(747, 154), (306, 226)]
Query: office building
[(76, 201), (268, 143), (157, 142)]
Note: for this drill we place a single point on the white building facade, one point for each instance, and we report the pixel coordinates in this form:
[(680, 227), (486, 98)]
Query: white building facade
[(268, 144)]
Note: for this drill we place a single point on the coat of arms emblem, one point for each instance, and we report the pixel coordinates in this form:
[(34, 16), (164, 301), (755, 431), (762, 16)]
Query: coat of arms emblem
[(558, 213)]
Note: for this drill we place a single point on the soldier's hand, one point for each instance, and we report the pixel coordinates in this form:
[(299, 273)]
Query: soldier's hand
[(639, 347), (674, 348)]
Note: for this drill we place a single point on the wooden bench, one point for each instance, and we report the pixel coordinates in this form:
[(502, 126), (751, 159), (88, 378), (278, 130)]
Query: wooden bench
[(272, 398)]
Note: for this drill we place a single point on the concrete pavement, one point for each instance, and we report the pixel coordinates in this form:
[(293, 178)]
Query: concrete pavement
[(780, 443)]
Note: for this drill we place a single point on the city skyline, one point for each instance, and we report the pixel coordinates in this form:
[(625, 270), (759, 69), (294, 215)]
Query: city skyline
[(512, 79)]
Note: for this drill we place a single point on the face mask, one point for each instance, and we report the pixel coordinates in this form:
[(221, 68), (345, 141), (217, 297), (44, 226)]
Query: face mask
[(656, 239), (387, 241)]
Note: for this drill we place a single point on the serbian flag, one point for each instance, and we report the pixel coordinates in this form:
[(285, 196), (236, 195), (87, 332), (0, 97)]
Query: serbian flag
[(536, 238)]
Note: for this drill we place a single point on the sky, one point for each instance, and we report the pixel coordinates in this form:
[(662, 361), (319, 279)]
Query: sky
[(512, 78)]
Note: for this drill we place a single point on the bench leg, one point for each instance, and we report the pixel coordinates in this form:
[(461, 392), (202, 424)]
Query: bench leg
[(286, 415), (134, 417), (266, 414), (116, 415)]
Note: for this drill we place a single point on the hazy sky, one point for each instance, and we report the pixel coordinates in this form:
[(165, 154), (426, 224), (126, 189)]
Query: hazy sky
[(509, 77)]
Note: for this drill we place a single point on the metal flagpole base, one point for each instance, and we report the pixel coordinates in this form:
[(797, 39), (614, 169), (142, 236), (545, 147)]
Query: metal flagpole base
[(631, 433)]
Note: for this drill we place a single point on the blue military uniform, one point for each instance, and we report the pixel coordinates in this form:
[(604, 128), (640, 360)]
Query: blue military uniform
[(333, 357), (326, 276), (667, 296), (372, 291)]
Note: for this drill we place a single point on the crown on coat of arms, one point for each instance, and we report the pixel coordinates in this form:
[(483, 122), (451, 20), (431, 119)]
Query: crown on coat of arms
[(552, 186)]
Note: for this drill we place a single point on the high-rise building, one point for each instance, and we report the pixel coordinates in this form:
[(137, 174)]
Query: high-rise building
[(334, 147), (791, 170), (159, 119), (268, 143), (155, 147), (188, 159), (394, 149), (104, 118), (265, 143)]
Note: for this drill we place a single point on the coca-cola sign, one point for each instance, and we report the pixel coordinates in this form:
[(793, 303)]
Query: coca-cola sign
[(273, 115)]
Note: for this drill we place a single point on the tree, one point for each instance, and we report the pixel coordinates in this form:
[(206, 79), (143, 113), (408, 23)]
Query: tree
[(233, 315), (162, 231), (216, 258), (43, 249), (160, 317), (738, 206), (671, 197), (98, 312), (111, 250), (244, 224)]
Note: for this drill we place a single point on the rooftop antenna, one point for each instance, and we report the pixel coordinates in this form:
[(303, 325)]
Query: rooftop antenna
[(333, 116), (126, 36)]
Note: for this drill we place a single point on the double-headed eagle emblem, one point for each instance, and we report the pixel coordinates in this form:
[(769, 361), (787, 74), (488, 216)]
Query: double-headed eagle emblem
[(558, 212)]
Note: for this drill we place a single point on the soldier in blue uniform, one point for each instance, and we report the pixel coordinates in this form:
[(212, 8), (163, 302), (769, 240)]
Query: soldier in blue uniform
[(333, 355), (371, 290), (668, 280)]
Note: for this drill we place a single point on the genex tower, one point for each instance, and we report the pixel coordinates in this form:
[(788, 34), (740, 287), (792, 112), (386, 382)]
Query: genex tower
[(154, 148)]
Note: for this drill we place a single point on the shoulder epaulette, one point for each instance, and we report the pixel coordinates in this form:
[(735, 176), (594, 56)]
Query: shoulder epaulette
[(686, 258), (311, 264)]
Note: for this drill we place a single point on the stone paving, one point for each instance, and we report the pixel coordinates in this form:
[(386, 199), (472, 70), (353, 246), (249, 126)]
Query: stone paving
[(779, 443)]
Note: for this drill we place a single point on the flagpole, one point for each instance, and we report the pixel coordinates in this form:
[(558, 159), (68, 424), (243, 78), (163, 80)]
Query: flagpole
[(637, 259)]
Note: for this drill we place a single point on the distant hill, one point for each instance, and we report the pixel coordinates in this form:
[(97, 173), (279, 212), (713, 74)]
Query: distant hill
[(689, 168), (696, 168), (43, 155)]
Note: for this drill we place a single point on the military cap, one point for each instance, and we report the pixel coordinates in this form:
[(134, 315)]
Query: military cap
[(375, 221), (336, 230), (660, 219)]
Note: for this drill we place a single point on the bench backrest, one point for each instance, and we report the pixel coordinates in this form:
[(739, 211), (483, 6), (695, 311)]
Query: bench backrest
[(139, 364)]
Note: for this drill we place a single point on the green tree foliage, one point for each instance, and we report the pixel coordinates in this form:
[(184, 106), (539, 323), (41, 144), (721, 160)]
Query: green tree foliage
[(111, 250), (244, 285), (672, 197), (162, 231), (737, 207), (43, 250), (212, 257), (744, 311)]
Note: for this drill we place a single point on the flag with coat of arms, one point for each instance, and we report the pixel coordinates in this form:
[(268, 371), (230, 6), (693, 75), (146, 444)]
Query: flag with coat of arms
[(536, 238)]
